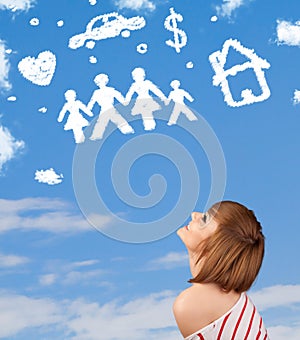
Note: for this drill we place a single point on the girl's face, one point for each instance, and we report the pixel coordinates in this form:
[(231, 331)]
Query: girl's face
[(201, 226)]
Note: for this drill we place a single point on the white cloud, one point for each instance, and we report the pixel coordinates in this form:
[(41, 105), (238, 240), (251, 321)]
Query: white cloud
[(276, 296), (47, 279), (4, 67), (43, 214), (149, 317), (9, 146), (85, 263), (296, 98), (284, 332), (85, 277), (48, 176), (12, 260), (19, 312), (168, 261), (136, 4), (288, 33), (143, 318), (222, 75), (228, 6), (17, 5), (73, 273)]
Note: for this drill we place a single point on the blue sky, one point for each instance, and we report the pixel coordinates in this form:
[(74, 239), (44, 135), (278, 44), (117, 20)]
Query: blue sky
[(61, 278)]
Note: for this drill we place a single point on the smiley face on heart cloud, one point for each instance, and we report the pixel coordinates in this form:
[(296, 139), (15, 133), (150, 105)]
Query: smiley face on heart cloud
[(39, 70)]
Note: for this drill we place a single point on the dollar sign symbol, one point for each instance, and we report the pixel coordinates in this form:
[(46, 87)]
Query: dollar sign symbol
[(180, 38)]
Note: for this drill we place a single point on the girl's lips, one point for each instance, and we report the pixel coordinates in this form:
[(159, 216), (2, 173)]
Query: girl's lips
[(187, 227)]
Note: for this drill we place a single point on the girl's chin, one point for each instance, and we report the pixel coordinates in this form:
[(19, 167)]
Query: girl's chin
[(180, 233)]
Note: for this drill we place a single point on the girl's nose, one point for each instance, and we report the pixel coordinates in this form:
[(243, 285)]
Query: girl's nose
[(196, 215)]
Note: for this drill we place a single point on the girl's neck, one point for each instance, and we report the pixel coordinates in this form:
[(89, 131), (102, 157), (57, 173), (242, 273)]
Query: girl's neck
[(194, 267)]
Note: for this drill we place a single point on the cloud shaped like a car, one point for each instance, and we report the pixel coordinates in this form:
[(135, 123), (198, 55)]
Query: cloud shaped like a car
[(106, 26)]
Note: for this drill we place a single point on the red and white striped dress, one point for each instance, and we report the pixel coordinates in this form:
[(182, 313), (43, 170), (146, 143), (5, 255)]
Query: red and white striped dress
[(241, 322)]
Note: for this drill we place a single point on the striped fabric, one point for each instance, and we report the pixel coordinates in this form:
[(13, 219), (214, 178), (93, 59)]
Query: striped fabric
[(241, 322)]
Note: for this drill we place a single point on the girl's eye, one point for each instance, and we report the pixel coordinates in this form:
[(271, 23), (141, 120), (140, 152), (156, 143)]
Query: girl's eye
[(204, 218)]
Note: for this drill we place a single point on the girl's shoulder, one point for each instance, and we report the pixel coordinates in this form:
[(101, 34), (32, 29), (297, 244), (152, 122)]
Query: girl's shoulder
[(191, 309), (199, 305)]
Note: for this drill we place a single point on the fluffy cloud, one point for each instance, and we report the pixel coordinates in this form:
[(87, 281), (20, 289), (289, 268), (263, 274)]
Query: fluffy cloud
[(228, 6), (142, 318), (149, 317), (48, 176), (168, 261), (9, 146), (280, 296), (19, 312), (284, 332), (16, 5), (43, 214), (286, 295), (4, 67), (136, 4), (288, 33)]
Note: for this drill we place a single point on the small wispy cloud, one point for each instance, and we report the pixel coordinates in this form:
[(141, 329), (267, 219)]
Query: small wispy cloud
[(229, 6), (9, 146), (42, 214), (168, 261), (288, 33), (85, 263), (83, 277), (47, 279), (10, 260), (4, 67), (78, 272), (136, 4), (16, 5)]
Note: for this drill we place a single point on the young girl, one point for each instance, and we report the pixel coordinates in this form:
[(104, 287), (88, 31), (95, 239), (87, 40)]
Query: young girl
[(75, 120), (226, 249)]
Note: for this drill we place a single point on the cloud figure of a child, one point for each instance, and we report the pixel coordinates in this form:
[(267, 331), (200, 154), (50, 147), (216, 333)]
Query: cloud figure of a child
[(177, 95), (75, 121)]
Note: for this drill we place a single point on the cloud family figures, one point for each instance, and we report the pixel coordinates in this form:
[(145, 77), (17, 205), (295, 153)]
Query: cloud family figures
[(105, 97)]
